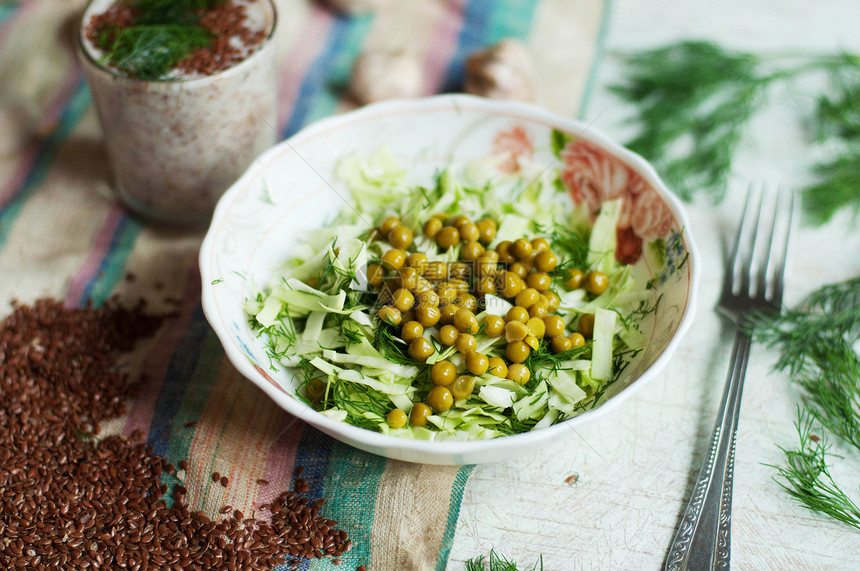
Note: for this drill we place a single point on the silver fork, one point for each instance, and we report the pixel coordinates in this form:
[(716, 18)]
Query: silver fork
[(753, 282)]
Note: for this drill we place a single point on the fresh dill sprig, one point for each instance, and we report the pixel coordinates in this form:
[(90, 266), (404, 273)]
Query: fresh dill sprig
[(838, 178), (837, 297), (280, 337), (694, 100), (806, 476), (693, 95), (838, 187), (498, 562), (334, 277), (839, 115), (816, 347), (351, 333)]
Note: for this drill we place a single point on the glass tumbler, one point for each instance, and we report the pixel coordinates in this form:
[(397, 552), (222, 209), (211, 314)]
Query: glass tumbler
[(176, 145)]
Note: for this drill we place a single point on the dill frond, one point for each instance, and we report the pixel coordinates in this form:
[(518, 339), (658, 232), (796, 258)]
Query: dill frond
[(516, 426), (693, 95), (838, 178), (838, 297), (838, 187), (307, 374), (498, 562), (839, 114), (806, 476), (816, 347), (644, 309), (694, 100), (353, 335)]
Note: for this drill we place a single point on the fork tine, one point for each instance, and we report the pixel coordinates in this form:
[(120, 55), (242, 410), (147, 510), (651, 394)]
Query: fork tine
[(735, 261), (752, 235), (767, 243), (779, 270)]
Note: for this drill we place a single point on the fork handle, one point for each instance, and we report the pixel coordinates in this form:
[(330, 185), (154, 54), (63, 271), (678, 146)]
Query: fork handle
[(703, 539)]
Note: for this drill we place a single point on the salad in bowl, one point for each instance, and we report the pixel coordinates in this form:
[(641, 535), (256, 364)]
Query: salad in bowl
[(448, 280)]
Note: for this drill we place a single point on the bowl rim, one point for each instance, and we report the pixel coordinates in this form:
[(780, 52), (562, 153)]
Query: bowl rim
[(519, 110)]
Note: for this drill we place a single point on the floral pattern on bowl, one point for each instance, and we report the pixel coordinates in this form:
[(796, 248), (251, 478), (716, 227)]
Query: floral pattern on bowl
[(292, 188)]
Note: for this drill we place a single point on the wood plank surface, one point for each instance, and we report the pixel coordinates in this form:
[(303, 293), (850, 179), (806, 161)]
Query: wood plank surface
[(636, 465)]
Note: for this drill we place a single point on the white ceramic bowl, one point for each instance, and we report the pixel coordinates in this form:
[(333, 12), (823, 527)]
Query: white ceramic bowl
[(292, 187)]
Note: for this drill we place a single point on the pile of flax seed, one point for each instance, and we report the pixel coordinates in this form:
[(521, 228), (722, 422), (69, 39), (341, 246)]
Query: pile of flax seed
[(71, 500)]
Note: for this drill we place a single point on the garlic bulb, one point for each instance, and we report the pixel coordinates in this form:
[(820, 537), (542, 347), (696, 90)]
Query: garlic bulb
[(379, 75), (503, 71), (354, 7)]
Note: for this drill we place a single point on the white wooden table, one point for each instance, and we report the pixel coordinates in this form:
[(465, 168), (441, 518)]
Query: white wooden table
[(634, 467)]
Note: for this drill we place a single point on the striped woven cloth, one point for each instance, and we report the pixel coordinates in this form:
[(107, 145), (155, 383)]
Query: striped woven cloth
[(63, 235)]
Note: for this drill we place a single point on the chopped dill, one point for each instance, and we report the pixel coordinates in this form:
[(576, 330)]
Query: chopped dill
[(620, 361), (330, 268), (572, 245), (162, 33), (507, 208), (544, 360), (386, 341), (267, 194), (513, 425), (643, 310), (683, 261), (428, 201), (537, 228), (358, 401), (307, 375), (283, 330), (352, 335)]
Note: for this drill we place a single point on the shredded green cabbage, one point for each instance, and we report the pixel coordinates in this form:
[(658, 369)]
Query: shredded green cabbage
[(318, 316)]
